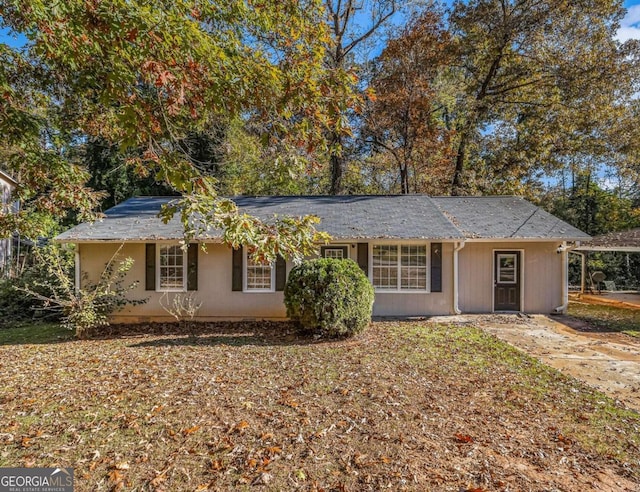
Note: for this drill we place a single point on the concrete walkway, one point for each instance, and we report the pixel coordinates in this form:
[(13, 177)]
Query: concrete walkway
[(609, 362)]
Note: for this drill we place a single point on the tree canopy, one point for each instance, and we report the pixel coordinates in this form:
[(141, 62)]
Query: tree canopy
[(144, 76), (199, 99)]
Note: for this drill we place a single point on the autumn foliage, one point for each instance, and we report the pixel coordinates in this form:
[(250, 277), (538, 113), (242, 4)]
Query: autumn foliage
[(405, 121)]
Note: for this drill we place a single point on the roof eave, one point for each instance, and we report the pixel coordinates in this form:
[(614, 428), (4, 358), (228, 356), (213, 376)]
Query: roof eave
[(622, 249), (524, 239), (8, 178)]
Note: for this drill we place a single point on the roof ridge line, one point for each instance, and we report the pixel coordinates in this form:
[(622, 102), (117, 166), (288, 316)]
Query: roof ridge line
[(525, 222), (462, 233)]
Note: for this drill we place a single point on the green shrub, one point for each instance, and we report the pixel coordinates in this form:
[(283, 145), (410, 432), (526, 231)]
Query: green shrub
[(330, 297), (16, 306), (86, 308)]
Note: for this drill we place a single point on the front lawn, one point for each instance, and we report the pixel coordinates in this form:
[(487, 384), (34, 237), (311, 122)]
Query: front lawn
[(18, 333), (607, 318), (405, 406)]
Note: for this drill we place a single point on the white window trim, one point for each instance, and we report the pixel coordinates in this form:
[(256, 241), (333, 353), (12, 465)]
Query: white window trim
[(184, 269), (398, 289), (516, 268), (339, 246), (245, 265)]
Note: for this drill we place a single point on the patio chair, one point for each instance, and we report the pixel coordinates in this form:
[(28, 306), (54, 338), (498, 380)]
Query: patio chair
[(596, 279)]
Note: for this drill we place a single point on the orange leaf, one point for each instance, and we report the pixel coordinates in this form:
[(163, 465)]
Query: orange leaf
[(240, 426), (463, 438), (274, 450), (115, 476), (190, 430)]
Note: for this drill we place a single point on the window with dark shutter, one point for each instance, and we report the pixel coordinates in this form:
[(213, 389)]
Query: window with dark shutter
[(363, 257), (281, 273), (150, 266), (236, 261), (192, 267), (436, 267)]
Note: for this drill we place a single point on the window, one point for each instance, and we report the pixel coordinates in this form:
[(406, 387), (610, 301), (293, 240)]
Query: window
[(171, 267), (259, 277), (333, 251), (507, 273), (400, 267)]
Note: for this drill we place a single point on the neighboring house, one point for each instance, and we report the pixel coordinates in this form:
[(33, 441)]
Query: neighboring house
[(424, 255), (7, 184)]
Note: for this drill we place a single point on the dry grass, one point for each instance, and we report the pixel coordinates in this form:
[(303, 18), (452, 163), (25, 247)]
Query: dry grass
[(405, 406), (607, 318)]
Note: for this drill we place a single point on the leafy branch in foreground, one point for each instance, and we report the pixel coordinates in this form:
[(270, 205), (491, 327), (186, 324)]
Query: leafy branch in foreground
[(87, 307), (147, 74), (202, 211)]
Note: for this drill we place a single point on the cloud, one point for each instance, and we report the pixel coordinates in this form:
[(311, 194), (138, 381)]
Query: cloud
[(629, 25)]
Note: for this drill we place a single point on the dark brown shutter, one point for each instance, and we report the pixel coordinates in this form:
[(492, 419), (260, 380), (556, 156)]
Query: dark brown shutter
[(192, 267), (150, 265), (281, 273), (236, 282), (436, 267), (363, 257)]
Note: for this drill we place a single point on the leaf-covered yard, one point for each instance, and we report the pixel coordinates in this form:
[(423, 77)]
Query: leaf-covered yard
[(411, 406)]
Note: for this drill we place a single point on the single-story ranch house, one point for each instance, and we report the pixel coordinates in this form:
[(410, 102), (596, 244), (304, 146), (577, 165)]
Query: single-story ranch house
[(424, 255)]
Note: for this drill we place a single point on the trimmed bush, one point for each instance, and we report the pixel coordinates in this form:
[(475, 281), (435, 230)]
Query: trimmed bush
[(330, 297)]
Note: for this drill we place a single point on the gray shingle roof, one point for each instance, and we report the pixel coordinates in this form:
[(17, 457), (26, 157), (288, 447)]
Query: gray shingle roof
[(350, 217), (495, 217)]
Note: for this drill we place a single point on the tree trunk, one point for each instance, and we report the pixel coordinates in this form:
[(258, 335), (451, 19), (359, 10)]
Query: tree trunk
[(457, 187), (337, 164), (404, 179)]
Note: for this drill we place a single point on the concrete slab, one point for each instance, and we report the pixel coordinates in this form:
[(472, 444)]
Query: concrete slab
[(609, 362)]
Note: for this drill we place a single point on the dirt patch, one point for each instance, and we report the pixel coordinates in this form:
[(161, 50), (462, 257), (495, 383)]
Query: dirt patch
[(613, 299), (609, 362)]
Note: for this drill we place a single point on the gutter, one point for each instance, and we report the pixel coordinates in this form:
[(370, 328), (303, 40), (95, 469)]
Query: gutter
[(458, 246), (564, 249), (77, 270)]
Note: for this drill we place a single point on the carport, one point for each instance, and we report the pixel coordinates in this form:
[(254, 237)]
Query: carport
[(622, 241)]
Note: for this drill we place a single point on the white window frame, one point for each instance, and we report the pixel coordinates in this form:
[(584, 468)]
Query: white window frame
[(245, 277), (398, 289), (344, 248), (516, 268), (159, 247)]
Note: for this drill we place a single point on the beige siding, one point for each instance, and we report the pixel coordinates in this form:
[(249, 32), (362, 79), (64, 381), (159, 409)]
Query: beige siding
[(541, 276), (420, 304), (542, 284), (214, 286)]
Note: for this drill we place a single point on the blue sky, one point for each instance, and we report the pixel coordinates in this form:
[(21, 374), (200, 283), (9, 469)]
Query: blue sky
[(630, 25)]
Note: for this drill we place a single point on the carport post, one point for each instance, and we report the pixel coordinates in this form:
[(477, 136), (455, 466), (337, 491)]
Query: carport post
[(583, 270)]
